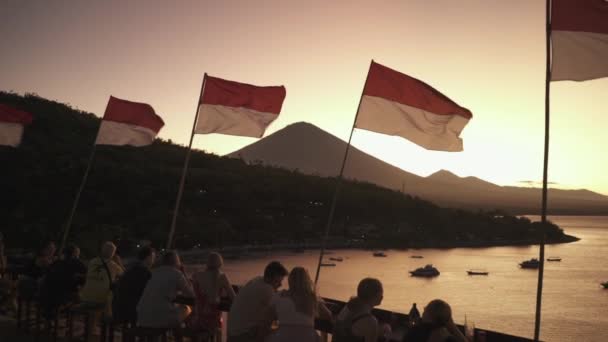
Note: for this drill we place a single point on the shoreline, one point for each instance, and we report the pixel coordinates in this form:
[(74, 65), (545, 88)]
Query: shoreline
[(233, 252)]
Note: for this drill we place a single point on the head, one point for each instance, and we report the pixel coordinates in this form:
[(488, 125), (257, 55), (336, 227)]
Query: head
[(370, 291), (71, 252), (214, 261), (48, 249), (146, 255), (302, 291), (171, 258), (107, 250), (274, 273), (437, 312)]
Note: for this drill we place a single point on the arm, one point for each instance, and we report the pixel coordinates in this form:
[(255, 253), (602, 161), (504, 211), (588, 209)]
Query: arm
[(269, 315), (324, 312), (183, 285), (227, 287), (455, 332)]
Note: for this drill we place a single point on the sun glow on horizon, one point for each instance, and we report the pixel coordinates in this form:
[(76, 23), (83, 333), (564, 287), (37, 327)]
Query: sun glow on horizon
[(471, 51)]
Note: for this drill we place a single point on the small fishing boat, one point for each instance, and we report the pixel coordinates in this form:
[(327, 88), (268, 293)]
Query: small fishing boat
[(530, 264), (477, 272), (336, 259), (416, 257), (554, 259), (328, 264), (380, 254), (426, 271)]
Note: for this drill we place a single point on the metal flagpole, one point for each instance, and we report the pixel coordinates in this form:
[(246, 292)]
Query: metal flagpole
[(338, 186), (180, 192), (66, 230), (541, 256)]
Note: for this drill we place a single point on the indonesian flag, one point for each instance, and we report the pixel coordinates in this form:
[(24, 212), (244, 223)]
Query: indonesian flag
[(128, 123), (233, 108), (12, 122), (396, 104), (579, 38)]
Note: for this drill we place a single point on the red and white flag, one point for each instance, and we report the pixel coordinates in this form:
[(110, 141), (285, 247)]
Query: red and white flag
[(396, 104), (579, 39), (128, 123), (233, 108), (12, 123)]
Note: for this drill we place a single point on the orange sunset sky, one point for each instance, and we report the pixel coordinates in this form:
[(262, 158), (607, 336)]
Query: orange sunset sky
[(488, 56)]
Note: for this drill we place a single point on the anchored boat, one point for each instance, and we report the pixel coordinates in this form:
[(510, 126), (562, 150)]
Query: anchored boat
[(477, 272), (531, 264), (426, 271)]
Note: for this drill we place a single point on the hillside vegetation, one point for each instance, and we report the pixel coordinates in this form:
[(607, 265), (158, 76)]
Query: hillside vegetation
[(131, 194)]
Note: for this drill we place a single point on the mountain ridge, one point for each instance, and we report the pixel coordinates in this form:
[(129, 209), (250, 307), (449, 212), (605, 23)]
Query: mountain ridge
[(323, 152)]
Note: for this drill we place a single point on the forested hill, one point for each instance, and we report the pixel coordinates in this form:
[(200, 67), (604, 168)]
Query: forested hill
[(131, 194)]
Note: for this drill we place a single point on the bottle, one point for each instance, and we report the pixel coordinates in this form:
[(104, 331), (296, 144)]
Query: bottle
[(414, 316)]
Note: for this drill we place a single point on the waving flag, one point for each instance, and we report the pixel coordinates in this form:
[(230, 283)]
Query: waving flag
[(234, 108), (579, 38), (12, 122), (128, 123), (396, 104)]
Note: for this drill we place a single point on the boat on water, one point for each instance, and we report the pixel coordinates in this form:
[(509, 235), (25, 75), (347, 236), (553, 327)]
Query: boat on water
[(416, 257), (426, 271), (340, 259), (531, 264), (380, 254), (328, 264), (477, 272), (554, 259)]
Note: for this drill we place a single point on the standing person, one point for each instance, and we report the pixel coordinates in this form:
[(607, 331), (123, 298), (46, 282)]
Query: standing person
[(131, 285), (156, 307), (355, 323), (253, 299), (437, 325), (102, 273), (63, 280), (296, 309), (208, 286)]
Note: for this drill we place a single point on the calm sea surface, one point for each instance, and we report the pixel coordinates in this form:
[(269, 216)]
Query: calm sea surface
[(574, 307)]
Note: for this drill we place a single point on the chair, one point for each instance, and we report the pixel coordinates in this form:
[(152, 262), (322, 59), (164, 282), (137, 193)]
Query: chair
[(144, 334), (193, 335), (88, 312)]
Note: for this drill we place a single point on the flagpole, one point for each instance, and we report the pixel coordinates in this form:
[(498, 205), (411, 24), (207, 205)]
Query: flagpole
[(338, 186), (541, 253), (180, 192), (68, 225)]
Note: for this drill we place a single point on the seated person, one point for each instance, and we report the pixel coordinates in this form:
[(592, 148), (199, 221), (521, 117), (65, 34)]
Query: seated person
[(355, 322), (156, 307), (296, 310), (437, 325), (252, 300), (45, 256), (209, 285), (130, 286), (63, 280)]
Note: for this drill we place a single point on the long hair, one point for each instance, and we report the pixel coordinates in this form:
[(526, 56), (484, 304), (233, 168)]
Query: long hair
[(301, 291)]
